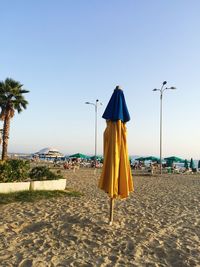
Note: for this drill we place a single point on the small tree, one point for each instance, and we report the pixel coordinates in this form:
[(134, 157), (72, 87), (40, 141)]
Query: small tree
[(11, 99)]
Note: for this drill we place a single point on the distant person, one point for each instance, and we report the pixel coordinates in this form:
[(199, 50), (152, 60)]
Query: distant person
[(151, 168)]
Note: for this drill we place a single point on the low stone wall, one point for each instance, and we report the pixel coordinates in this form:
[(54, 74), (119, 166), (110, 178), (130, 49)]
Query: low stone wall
[(33, 185), (14, 187), (48, 185)]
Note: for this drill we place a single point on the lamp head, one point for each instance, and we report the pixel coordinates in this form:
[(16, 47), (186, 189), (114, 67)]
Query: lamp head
[(155, 89), (172, 88), (165, 82), (87, 102), (97, 102)]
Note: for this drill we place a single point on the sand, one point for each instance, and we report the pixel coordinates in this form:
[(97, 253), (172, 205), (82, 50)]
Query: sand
[(158, 225)]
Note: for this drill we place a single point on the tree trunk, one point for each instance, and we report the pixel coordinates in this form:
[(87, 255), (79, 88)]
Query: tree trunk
[(6, 130)]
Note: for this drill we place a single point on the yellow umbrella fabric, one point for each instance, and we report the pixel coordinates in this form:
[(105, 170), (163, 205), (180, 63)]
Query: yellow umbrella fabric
[(116, 178)]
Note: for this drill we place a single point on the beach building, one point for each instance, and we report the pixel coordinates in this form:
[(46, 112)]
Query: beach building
[(48, 153)]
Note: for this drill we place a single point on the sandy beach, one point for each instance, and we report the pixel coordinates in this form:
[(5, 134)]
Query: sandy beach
[(158, 225)]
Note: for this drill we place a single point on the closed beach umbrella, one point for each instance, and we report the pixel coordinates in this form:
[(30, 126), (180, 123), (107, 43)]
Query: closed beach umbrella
[(186, 165), (192, 166), (116, 178)]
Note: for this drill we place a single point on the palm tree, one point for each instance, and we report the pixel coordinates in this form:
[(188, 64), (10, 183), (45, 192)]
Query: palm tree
[(11, 99), (1, 131)]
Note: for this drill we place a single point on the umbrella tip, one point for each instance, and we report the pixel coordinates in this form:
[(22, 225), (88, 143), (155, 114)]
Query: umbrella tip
[(118, 87)]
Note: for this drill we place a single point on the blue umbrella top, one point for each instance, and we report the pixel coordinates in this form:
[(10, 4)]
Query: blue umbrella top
[(116, 108)]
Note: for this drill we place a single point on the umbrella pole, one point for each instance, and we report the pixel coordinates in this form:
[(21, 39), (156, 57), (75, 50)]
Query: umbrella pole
[(111, 210)]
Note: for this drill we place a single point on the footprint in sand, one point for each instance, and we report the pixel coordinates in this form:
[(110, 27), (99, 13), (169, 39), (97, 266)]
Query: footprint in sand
[(36, 227), (26, 263)]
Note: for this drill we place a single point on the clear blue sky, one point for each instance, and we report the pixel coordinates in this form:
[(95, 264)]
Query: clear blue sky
[(67, 52)]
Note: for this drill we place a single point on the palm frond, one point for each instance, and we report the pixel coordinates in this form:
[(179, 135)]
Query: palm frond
[(11, 96), (24, 91)]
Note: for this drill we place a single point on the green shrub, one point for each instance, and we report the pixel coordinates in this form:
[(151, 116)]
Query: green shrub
[(14, 170), (42, 173)]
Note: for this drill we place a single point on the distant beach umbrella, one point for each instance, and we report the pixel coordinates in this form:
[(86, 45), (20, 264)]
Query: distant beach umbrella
[(192, 166), (152, 158), (140, 159), (175, 159), (172, 159), (149, 158), (79, 156), (116, 178), (99, 158), (186, 165)]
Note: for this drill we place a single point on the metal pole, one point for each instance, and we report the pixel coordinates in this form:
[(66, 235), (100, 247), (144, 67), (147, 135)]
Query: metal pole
[(95, 138), (95, 154), (161, 95), (111, 211)]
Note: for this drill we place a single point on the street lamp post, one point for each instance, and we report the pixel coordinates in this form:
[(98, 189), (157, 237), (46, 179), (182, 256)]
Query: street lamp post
[(96, 104), (162, 89)]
